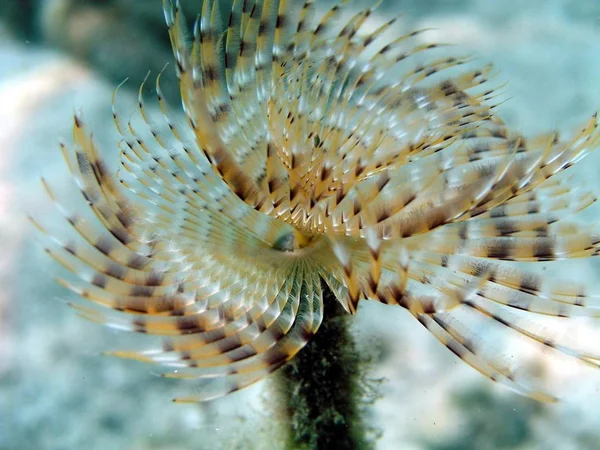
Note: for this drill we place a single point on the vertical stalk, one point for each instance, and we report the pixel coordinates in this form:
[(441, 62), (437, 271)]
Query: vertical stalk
[(323, 388)]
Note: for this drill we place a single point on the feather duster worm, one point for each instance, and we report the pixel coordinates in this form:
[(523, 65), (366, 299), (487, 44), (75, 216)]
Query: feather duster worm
[(312, 157)]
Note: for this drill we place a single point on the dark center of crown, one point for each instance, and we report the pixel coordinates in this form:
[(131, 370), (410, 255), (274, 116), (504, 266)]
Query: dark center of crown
[(294, 240)]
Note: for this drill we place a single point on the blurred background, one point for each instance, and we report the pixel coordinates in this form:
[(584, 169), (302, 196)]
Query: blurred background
[(58, 392)]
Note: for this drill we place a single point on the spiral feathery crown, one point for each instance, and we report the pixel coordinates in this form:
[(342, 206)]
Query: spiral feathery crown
[(313, 158)]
